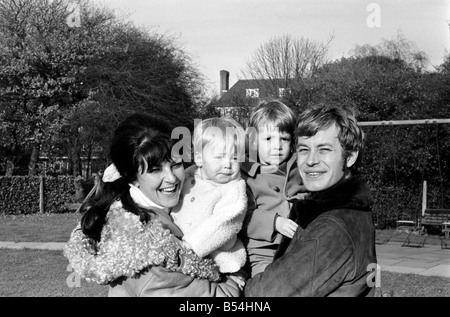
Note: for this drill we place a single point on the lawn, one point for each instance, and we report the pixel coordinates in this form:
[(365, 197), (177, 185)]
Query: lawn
[(38, 227), (39, 273), (42, 273), (57, 228), (413, 285)]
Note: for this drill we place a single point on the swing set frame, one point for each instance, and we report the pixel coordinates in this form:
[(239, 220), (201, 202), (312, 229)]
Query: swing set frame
[(429, 217)]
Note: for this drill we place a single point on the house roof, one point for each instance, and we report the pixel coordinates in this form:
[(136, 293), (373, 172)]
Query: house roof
[(238, 90)]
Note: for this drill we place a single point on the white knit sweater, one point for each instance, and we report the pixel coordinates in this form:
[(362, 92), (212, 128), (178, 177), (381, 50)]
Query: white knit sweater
[(210, 216)]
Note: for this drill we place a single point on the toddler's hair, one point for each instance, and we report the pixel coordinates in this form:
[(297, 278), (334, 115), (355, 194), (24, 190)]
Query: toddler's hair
[(218, 130), (273, 112)]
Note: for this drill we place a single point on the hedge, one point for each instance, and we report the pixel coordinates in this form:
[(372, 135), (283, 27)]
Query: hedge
[(21, 194)]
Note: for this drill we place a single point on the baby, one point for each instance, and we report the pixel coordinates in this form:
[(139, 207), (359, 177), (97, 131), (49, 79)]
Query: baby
[(213, 200)]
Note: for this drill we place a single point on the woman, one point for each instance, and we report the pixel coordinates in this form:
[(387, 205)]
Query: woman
[(126, 238)]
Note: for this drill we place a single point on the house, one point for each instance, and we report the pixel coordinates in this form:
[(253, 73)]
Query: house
[(247, 92)]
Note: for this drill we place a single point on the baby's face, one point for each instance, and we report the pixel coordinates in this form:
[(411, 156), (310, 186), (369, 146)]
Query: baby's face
[(274, 146), (218, 164)]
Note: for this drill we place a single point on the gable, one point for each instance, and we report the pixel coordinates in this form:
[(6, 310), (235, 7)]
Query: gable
[(252, 89)]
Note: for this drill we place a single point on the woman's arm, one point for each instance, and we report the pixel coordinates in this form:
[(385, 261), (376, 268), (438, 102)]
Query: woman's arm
[(127, 247)]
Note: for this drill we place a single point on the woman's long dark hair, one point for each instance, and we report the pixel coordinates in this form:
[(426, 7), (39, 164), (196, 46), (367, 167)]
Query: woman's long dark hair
[(139, 142)]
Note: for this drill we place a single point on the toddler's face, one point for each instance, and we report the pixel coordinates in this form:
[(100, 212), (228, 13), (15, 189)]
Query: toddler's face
[(218, 164), (274, 146)]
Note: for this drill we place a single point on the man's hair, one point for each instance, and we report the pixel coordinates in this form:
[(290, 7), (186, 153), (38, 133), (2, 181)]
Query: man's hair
[(273, 112), (215, 130), (320, 117)]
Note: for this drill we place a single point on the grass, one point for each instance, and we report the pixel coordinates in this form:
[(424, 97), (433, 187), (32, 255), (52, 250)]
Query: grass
[(39, 273), (57, 228), (38, 227), (42, 273), (412, 285)]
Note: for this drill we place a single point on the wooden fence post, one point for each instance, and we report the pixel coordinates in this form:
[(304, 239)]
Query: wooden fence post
[(94, 190), (424, 198), (41, 194)]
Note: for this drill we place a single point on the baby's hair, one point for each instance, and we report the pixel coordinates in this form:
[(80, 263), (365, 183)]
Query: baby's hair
[(218, 130), (273, 112)]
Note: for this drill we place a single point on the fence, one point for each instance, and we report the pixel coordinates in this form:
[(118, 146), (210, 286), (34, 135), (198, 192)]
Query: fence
[(34, 194)]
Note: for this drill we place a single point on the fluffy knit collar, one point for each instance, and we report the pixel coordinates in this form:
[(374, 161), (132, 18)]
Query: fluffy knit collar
[(127, 247), (352, 193)]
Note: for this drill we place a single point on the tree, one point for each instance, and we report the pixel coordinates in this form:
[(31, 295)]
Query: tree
[(146, 72), (139, 72), (286, 62), (42, 60), (398, 48), (63, 89), (445, 66)]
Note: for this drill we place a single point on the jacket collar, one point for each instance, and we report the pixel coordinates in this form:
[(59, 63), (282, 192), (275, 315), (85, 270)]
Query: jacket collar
[(253, 168), (351, 193), (293, 188)]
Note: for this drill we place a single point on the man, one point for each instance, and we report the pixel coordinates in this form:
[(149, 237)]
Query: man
[(334, 244)]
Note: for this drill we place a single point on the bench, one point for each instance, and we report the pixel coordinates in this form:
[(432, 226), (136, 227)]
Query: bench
[(406, 225), (446, 229), (436, 218)]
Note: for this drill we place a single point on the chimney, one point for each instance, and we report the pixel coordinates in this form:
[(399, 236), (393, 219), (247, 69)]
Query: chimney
[(224, 81)]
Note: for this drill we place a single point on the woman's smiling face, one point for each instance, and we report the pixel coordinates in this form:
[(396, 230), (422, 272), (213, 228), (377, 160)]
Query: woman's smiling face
[(163, 184)]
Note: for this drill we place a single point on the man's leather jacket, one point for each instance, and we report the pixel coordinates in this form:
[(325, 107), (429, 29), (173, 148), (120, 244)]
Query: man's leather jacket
[(332, 250)]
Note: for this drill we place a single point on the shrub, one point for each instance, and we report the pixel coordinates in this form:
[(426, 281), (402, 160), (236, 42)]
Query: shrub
[(21, 194)]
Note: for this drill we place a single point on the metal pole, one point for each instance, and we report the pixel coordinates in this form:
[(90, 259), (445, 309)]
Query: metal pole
[(403, 122), (41, 194), (424, 198)]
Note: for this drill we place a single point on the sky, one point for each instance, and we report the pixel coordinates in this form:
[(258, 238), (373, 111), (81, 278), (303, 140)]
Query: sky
[(224, 34)]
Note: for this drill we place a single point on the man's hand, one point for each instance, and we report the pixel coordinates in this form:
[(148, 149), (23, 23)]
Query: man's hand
[(285, 226), (239, 277)]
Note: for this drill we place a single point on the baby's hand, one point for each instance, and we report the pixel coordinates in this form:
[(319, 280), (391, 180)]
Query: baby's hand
[(285, 226), (186, 245), (239, 277)]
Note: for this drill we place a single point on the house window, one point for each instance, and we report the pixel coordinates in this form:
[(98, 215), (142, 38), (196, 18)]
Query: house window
[(252, 93), (283, 92), (225, 111)]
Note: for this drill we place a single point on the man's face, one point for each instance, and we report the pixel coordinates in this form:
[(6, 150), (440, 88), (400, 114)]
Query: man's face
[(320, 159)]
